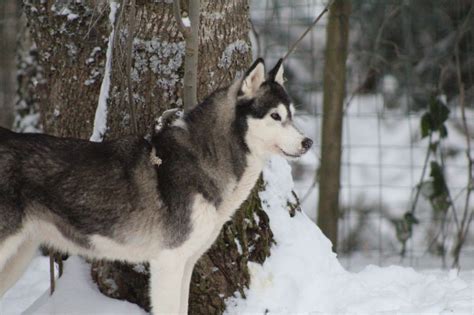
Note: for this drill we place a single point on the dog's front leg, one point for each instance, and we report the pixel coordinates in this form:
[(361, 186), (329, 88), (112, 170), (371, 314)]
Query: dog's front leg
[(166, 278), (186, 283), (188, 271)]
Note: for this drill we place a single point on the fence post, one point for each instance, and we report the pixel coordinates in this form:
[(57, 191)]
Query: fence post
[(337, 31)]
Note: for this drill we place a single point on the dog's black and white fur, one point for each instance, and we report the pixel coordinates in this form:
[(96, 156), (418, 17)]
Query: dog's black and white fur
[(112, 200)]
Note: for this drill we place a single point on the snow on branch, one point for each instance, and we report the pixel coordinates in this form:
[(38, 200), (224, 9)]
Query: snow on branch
[(183, 28)]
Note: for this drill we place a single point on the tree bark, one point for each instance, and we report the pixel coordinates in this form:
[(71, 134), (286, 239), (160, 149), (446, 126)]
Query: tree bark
[(72, 39), (337, 31)]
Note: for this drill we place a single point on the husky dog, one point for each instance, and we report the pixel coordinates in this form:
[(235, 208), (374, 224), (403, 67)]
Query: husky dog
[(114, 200)]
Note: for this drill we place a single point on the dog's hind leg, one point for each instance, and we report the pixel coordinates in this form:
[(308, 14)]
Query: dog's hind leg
[(9, 247), (166, 280), (16, 264)]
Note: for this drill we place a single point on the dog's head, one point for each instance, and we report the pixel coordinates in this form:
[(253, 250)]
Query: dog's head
[(268, 112)]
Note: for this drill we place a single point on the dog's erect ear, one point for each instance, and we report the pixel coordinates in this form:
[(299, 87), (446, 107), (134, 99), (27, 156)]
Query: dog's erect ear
[(253, 78), (276, 74)]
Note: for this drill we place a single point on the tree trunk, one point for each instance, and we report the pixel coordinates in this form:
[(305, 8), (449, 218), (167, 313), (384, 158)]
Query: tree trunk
[(8, 31), (72, 41), (337, 31)]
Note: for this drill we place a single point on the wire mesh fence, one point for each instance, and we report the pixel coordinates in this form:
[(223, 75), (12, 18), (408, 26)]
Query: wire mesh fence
[(403, 58), (402, 54)]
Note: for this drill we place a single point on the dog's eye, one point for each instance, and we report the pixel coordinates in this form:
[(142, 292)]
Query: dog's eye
[(275, 116)]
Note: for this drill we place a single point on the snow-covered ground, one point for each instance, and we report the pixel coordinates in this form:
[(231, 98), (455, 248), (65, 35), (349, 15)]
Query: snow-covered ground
[(303, 276), (75, 294)]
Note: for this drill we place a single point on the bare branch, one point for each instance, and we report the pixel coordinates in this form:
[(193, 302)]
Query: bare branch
[(257, 37), (52, 280), (131, 31), (118, 23), (93, 21), (326, 9), (191, 57), (466, 220), (179, 20)]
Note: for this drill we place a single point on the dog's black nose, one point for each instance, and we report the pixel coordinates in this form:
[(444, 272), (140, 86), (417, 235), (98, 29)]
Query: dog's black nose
[(307, 143)]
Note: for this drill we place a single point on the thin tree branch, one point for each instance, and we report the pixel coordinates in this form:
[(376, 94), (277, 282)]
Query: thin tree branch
[(293, 46), (450, 197), (422, 176), (52, 280), (60, 265), (93, 21), (257, 38), (464, 125), (191, 57), (465, 222), (119, 52), (118, 23), (179, 19), (131, 31)]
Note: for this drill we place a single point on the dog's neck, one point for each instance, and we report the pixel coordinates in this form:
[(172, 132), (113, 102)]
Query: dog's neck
[(239, 191)]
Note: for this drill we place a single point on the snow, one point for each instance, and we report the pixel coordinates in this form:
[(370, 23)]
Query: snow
[(163, 58), (186, 22), (100, 119), (239, 247), (389, 84), (304, 276), (239, 46), (65, 11), (28, 123), (33, 283), (76, 294)]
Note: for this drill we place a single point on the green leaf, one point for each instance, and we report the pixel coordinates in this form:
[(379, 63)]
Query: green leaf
[(439, 183), (443, 131), (426, 125), (439, 198), (404, 226), (410, 218), (439, 113)]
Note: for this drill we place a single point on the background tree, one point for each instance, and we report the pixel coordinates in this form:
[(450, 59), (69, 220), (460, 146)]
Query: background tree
[(8, 31), (337, 33), (72, 40)]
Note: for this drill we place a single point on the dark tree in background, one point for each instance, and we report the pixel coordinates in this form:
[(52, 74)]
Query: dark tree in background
[(71, 40), (337, 33), (414, 41)]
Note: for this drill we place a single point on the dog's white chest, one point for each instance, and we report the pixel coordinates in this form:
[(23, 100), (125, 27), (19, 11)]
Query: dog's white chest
[(241, 189), (205, 227)]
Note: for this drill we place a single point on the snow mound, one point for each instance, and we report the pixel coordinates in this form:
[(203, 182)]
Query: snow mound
[(27, 289), (76, 294), (303, 275)]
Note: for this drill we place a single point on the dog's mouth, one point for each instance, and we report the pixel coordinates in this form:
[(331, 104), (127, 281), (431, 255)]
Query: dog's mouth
[(289, 154)]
